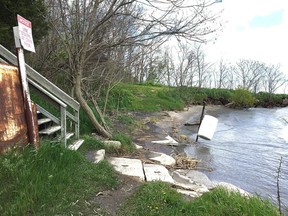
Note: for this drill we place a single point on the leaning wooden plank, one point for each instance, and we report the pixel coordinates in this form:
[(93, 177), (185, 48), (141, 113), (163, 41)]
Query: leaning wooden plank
[(76, 145), (50, 130)]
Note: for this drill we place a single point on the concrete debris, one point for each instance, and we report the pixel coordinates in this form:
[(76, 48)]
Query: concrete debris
[(155, 172), (168, 141), (99, 156), (129, 167), (138, 146), (111, 143), (162, 158), (233, 188), (192, 194), (197, 177)]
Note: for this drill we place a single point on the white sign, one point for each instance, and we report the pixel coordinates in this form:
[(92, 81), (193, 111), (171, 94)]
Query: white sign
[(25, 33)]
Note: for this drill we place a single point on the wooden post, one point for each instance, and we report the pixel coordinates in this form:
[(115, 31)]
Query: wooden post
[(32, 136)]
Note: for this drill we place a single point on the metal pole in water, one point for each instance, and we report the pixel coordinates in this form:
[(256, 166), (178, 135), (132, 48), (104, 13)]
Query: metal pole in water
[(201, 118)]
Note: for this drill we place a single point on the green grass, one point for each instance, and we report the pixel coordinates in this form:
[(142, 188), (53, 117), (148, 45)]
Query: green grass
[(129, 97), (157, 198), (92, 143), (52, 181)]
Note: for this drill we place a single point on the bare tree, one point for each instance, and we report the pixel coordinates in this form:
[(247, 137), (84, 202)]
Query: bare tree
[(249, 73), (221, 76), (202, 67), (93, 33), (273, 78)]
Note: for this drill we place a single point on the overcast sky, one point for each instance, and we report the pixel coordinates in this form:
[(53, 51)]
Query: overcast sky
[(253, 29)]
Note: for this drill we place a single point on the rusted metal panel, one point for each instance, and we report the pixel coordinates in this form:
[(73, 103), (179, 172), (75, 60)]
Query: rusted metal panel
[(36, 131), (13, 127)]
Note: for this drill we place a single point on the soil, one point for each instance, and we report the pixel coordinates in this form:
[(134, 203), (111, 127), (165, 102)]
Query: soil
[(151, 126)]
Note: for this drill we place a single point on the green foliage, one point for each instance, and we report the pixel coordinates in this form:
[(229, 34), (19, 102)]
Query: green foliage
[(126, 143), (151, 98), (243, 98), (49, 181), (33, 10), (91, 143), (86, 124), (265, 99), (160, 199), (126, 119)]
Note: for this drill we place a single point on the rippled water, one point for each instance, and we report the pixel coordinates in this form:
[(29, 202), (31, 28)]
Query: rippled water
[(246, 150)]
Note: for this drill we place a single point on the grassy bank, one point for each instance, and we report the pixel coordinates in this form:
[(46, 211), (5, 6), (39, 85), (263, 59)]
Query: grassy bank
[(132, 97), (57, 181), (53, 181), (160, 199)]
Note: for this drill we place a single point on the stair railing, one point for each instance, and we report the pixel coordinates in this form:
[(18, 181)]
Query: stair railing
[(49, 90)]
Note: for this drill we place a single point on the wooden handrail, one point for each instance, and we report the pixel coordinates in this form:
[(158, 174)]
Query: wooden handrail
[(52, 91), (38, 78)]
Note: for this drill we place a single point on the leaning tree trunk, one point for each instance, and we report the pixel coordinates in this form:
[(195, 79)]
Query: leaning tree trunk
[(101, 130)]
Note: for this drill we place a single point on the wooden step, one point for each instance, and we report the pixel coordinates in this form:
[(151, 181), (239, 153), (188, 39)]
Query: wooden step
[(50, 130), (69, 135), (43, 121), (76, 145)]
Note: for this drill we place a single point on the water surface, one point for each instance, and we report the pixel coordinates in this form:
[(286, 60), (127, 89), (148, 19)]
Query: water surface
[(246, 150)]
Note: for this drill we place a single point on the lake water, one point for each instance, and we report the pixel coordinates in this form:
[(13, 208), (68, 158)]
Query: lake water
[(246, 150)]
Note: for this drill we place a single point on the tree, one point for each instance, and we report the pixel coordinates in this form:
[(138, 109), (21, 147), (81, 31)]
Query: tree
[(185, 71), (273, 78), (33, 10), (249, 74), (202, 67), (93, 33), (221, 76)]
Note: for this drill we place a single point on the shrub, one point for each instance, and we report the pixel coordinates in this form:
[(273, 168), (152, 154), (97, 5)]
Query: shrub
[(242, 98)]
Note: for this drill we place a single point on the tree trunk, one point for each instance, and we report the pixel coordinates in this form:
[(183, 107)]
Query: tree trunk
[(101, 130)]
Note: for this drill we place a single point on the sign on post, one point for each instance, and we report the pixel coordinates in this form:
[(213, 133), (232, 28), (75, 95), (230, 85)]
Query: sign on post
[(25, 33)]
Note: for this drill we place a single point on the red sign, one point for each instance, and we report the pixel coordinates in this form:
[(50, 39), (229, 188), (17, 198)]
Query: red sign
[(25, 33)]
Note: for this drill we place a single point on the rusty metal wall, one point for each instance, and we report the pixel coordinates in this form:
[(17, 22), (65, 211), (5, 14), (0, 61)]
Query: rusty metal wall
[(13, 127)]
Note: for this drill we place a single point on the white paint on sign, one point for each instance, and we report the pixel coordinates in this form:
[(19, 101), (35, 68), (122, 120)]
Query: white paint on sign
[(25, 33)]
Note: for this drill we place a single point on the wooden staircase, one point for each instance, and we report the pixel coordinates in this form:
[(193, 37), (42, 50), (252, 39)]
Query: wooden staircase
[(63, 123)]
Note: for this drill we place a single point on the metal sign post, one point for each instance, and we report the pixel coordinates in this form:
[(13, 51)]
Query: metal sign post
[(32, 136), (201, 118)]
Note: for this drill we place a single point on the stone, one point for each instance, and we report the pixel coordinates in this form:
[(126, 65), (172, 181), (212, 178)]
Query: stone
[(168, 141), (155, 172), (197, 177), (192, 194), (99, 156), (112, 143), (232, 188), (129, 167), (187, 184), (138, 146), (162, 158), (285, 102)]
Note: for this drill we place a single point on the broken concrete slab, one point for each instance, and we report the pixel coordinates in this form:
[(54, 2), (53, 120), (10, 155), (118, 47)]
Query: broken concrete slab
[(197, 177), (155, 172), (112, 143), (232, 188), (168, 141), (163, 159), (187, 184), (99, 156), (138, 146), (129, 167), (192, 194)]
